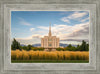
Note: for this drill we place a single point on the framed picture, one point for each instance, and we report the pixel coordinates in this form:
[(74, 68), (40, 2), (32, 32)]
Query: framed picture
[(50, 37), (67, 42)]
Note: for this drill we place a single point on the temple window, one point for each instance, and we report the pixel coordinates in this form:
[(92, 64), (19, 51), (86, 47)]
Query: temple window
[(50, 45), (50, 39)]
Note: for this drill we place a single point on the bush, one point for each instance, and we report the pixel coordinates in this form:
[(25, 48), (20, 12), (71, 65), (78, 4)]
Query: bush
[(60, 49), (37, 48)]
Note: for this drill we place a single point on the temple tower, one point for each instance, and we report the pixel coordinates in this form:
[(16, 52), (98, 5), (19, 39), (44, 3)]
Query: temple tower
[(50, 43)]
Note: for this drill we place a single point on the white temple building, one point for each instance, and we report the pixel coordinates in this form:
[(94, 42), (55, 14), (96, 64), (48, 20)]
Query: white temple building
[(50, 43)]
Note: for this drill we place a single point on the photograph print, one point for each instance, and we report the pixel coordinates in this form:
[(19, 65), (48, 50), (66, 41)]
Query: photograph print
[(50, 36)]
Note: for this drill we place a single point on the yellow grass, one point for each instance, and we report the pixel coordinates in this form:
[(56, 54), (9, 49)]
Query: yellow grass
[(54, 55)]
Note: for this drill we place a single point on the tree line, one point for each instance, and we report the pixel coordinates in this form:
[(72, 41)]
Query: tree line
[(16, 45), (83, 47)]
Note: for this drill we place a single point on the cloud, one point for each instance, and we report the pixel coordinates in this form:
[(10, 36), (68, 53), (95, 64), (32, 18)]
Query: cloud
[(78, 40), (31, 29), (23, 22), (83, 20), (34, 39), (75, 16), (65, 19), (80, 32), (69, 32), (77, 32), (31, 37), (83, 30), (29, 41), (43, 27), (36, 36)]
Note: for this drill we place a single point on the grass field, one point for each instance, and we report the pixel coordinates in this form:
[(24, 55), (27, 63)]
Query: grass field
[(42, 61), (23, 56)]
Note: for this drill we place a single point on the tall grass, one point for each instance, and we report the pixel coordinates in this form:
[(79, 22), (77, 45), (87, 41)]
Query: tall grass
[(44, 55)]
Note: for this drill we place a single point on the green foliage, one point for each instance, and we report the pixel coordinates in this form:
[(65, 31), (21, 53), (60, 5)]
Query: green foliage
[(15, 45), (69, 46), (41, 49), (72, 48), (84, 46), (87, 47), (24, 47), (37, 49), (29, 47), (60, 49)]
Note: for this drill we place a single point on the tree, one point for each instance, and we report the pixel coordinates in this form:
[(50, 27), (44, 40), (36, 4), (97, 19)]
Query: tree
[(84, 46), (78, 48), (15, 45), (69, 46), (60, 49), (87, 47), (29, 47), (25, 48), (40, 49)]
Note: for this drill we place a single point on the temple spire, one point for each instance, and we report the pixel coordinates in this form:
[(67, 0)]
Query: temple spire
[(50, 29)]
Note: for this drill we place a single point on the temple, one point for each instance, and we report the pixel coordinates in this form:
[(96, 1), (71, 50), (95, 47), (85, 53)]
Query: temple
[(50, 43)]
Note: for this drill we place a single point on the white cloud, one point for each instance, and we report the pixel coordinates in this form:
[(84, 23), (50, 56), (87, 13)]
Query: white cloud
[(31, 29), (29, 41), (75, 16), (75, 32), (65, 19), (83, 20), (36, 36), (34, 39), (43, 27)]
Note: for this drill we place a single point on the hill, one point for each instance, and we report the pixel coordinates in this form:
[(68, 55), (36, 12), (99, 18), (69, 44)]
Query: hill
[(38, 45)]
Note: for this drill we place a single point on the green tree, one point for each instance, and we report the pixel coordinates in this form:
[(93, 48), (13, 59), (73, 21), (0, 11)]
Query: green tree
[(29, 47), (87, 47), (69, 46), (40, 49), (73, 48), (78, 48), (15, 45), (60, 49), (25, 48), (84, 46)]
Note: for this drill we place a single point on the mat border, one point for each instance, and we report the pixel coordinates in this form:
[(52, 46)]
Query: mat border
[(5, 66)]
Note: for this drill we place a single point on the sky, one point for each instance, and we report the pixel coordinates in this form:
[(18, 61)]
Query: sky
[(28, 27)]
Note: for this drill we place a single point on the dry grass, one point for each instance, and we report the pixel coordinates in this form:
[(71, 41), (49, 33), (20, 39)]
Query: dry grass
[(54, 55)]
